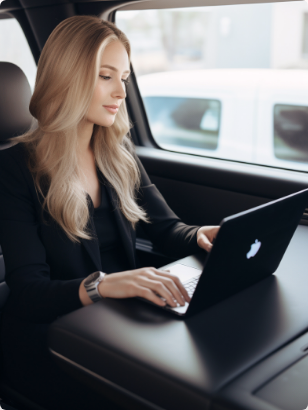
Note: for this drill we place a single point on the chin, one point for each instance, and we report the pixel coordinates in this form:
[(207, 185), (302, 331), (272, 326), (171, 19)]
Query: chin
[(105, 124), (108, 125)]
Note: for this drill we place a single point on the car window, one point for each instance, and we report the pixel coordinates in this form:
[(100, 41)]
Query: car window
[(214, 80), (14, 48), (291, 132), (187, 122)]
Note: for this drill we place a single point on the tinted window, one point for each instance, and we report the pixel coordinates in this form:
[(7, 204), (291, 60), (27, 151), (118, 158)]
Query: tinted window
[(291, 132), (189, 122)]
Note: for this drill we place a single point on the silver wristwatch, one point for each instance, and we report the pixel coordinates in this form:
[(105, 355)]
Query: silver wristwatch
[(91, 284)]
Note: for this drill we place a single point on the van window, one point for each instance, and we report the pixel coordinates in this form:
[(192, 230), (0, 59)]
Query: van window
[(185, 122), (291, 132), (14, 48), (211, 78)]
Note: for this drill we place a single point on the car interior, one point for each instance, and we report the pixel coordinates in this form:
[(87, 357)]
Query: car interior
[(246, 352)]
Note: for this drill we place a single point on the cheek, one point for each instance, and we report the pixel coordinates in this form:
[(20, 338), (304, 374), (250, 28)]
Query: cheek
[(98, 95), (96, 102)]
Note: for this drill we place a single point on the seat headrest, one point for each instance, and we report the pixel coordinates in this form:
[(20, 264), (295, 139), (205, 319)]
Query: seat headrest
[(15, 95)]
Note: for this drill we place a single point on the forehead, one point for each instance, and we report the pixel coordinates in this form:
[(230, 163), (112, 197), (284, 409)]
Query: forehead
[(115, 55)]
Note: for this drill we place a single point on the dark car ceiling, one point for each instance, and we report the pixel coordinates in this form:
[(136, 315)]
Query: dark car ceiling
[(39, 17), (24, 4)]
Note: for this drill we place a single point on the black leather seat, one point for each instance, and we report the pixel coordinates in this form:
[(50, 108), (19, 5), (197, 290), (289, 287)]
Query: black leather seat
[(15, 119), (4, 290)]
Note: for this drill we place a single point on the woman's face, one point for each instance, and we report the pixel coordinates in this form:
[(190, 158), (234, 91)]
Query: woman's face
[(109, 91)]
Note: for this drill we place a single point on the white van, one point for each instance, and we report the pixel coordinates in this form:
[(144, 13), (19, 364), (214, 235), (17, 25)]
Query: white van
[(250, 115)]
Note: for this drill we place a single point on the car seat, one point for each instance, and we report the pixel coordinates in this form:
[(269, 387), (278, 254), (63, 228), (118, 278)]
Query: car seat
[(15, 119)]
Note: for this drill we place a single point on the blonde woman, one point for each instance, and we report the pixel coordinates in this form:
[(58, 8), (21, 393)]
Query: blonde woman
[(72, 192)]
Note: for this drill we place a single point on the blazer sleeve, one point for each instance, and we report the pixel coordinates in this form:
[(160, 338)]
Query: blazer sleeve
[(33, 295), (167, 232)]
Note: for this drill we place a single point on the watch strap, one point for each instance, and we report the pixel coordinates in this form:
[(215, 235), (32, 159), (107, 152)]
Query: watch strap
[(92, 288)]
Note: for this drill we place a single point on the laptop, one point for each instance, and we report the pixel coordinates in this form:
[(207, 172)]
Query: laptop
[(248, 248)]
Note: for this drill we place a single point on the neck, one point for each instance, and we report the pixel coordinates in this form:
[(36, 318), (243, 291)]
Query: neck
[(85, 131)]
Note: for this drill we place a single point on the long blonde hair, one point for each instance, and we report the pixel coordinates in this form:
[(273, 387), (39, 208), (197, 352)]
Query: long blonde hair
[(67, 72)]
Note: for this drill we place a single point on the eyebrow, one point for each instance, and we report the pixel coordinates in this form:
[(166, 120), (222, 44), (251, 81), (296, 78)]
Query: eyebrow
[(114, 69)]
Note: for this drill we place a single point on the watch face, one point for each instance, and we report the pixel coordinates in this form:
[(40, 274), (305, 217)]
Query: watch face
[(92, 278)]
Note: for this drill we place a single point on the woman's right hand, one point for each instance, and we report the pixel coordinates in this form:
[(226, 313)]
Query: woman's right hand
[(148, 283)]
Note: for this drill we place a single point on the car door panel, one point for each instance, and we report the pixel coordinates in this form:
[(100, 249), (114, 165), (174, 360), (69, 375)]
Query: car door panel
[(203, 205), (204, 191)]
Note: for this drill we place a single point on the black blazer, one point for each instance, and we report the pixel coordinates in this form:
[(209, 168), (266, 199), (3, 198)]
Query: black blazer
[(44, 268)]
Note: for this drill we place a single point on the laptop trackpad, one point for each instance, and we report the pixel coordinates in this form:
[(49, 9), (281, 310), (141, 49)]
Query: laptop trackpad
[(183, 272)]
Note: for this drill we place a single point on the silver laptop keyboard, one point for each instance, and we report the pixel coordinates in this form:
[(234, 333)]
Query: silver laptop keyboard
[(191, 285)]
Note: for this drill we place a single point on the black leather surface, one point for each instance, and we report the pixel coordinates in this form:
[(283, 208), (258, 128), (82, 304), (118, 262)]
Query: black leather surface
[(15, 117), (5, 145), (2, 268), (4, 289), (4, 293), (6, 406), (173, 362), (277, 382), (12, 396)]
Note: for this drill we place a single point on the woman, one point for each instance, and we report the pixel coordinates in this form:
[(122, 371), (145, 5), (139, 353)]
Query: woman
[(72, 192)]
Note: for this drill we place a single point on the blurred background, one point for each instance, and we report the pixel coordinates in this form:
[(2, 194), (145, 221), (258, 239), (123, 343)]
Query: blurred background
[(272, 35), (226, 81)]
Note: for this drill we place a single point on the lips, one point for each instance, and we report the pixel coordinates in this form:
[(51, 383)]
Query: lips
[(111, 108)]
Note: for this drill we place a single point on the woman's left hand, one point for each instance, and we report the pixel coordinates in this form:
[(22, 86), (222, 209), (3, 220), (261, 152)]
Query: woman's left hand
[(206, 235)]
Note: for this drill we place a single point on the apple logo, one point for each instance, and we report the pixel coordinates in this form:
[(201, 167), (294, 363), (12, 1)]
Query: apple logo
[(254, 249)]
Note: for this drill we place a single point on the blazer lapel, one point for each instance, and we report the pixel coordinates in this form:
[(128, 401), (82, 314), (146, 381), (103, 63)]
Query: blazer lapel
[(93, 250), (124, 227), (92, 245)]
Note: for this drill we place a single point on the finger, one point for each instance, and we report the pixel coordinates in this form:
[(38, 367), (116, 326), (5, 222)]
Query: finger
[(148, 294), (172, 287), (180, 287), (216, 230), (151, 271), (159, 287), (204, 243), (179, 284)]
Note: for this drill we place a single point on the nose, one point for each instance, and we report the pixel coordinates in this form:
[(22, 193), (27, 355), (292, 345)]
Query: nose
[(119, 90)]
